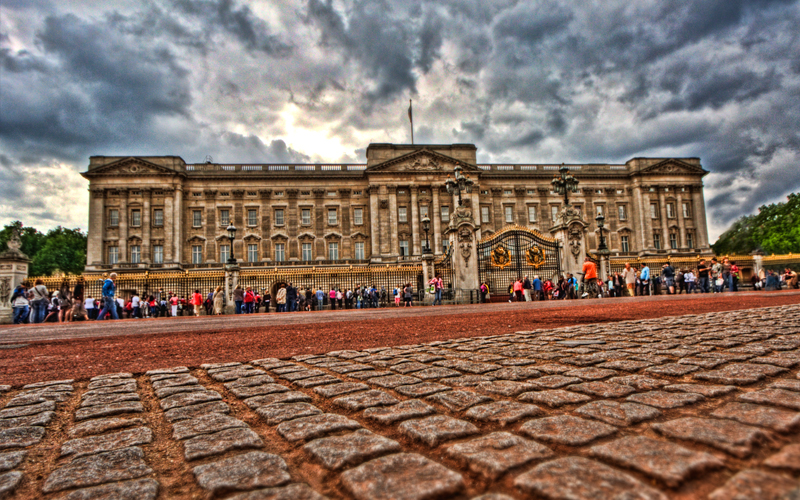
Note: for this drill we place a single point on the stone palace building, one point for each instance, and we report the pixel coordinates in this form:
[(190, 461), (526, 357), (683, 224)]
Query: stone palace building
[(162, 213)]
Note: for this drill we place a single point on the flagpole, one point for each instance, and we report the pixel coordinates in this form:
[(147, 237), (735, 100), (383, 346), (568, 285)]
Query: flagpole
[(411, 121)]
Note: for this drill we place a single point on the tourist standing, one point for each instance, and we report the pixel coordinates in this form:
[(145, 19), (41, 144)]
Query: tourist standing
[(689, 280), (291, 298), (280, 299), (517, 289), (668, 276), (109, 304), (136, 305), (644, 276), (196, 301), (408, 295), (589, 278), (21, 304), (484, 291), (702, 276), (629, 276), (238, 298), (526, 289)]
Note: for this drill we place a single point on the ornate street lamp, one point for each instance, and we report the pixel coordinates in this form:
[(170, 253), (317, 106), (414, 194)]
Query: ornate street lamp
[(565, 183), (426, 226), (601, 246), (460, 184), (231, 237)]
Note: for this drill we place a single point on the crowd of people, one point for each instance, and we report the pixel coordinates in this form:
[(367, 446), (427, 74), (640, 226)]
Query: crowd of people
[(708, 277), (36, 304)]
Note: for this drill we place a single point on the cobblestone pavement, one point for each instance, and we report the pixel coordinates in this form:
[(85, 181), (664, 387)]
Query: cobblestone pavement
[(703, 406)]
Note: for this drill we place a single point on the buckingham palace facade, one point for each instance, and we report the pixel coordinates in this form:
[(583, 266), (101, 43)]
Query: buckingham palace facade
[(163, 213)]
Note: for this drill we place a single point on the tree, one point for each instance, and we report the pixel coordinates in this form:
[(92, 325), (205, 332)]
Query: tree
[(61, 249), (775, 229)]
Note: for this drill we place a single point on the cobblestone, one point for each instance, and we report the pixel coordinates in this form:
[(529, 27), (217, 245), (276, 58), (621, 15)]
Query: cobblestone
[(350, 449), (207, 445), (404, 476), (619, 414), (566, 429), (315, 426), (412, 408), (458, 400), (668, 462), (367, 399), (247, 471), (727, 435), (662, 399), (276, 413), (138, 489), (762, 416), (787, 458), (581, 478), (754, 484), (117, 465), (437, 429), (204, 424), (18, 437), (11, 459), (554, 398), (503, 412), (709, 391), (107, 442), (494, 454), (777, 397), (193, 411), (9, 482)]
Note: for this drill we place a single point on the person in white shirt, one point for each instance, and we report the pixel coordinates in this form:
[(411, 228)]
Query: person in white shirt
[(135, 303), (689, 279), (88, 304)]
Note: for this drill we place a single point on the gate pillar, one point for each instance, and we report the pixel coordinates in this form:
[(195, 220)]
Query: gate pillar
[(231, 281), (570, 230), (13, 271), (462, 233), (427, 274)]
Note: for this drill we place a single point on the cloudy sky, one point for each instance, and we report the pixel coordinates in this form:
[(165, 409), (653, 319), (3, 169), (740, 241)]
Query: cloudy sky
[(317, 80)]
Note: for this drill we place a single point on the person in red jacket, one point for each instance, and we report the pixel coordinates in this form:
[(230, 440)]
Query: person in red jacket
[(249, 300), (196, 301)]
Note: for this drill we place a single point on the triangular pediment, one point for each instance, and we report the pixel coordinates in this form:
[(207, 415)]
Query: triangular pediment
[(673, 166), (131, 166), (422, 160)]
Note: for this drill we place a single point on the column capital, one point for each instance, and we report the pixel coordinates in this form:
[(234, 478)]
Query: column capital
[(98, 192), (345, 192)]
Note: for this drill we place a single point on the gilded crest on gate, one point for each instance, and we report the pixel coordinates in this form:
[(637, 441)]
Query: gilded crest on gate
[(501, 257), (535, 256)]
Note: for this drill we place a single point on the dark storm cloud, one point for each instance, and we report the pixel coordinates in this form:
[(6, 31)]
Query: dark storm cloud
[(527, 81)]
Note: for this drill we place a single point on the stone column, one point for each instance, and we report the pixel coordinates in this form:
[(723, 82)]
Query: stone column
[(13, 271), (292, 221), (519, 206), (497, 207), (393, 230), (647, 220), (374, 230), (436, 217), (662, 212), (461, 234), (699, 214), (169, 232), (415, 249), (475, 196), (97, 227), (123, 225), (346, 251), (681, 221), (320, 222), (177, 218), (427, 273), (146, 193)]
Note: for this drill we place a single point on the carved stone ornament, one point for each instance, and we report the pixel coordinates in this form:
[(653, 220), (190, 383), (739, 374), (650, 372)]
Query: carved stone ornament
[(384, 204), (5, 291), (464, 234), (567, 215), (462, 214), (424, 162), (14, 245), (500, 257), (535, 257), (575, 242), (466, 250)]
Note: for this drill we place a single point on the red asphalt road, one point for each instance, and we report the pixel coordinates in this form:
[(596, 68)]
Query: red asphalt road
[(82, 350)]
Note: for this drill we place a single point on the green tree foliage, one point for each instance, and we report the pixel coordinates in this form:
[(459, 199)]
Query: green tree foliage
[(60, 249), (774, 230)]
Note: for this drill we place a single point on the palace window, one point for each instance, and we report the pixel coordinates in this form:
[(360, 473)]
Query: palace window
[(136, 218), (279, 217), (333, 251), (404, 248), (657, 241), (278, 193), (332, 218), (136, 254), (531, 191), (508, 192), (423, 211), (305, 216), (623, 240), (224, 218), (670, 211), (197, 254), (600, 210), (280, 252), (158, 254), (689, 239), (623, 215), (252, 218), (113, 218), (402, 214), (197, 218), (359, 248), (113, 255), (252, 252), (331, 193), (553, 212), (357, 193), (509, 212), (485, 215), (306, 252), (687, 210), (654, 211), (485, 191), (158, 217), (358, 216), (445, 214), (445, 246), (531, 214), (224, 253)]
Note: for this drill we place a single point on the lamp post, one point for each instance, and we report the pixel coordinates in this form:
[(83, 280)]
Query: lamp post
[(426, 226), (231, 237), (461, 183), (601, 246), (565, 183)]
